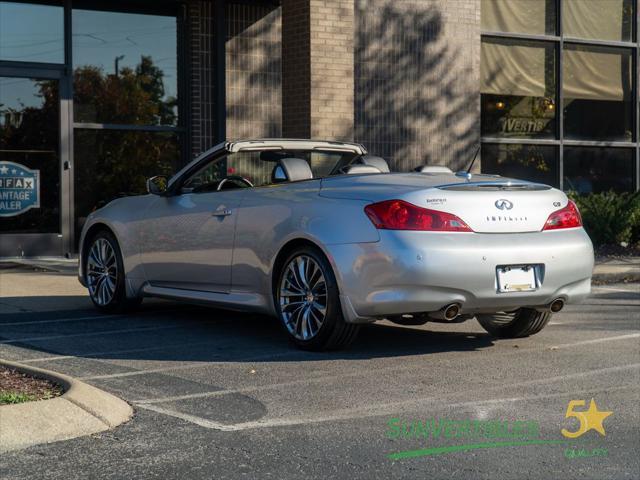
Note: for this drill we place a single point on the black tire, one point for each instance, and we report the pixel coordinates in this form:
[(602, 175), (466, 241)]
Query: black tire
[(521, 323), (117, 302), (333, 333)]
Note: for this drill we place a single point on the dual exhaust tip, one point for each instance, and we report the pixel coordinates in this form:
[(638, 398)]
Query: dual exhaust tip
[(452, 311)]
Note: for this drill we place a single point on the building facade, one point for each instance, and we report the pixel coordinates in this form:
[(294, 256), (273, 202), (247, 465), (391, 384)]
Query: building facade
[(96, 95)]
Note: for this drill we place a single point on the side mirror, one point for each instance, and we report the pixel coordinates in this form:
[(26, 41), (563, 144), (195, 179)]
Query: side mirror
[(157, 185)]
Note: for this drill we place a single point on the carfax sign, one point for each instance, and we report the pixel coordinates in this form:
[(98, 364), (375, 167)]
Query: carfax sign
[(19, 189)]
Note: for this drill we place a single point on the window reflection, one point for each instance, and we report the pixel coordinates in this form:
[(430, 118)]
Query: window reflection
[(31, 33), (598, 169), (598, 19), (125, 68), (112, 164), (29, 132), (518, 81), (519, 16), (538, 163), (597, 93)]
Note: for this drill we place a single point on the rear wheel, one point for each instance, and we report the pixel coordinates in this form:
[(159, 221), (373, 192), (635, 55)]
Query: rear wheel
[(308, 303), (521, 323), (104, 274)]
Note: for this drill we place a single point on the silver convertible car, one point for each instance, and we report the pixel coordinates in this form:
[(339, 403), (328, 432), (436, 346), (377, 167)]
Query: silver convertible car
[(323, 236)]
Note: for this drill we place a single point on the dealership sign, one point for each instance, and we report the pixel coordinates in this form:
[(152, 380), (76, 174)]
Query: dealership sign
[(19, 189)]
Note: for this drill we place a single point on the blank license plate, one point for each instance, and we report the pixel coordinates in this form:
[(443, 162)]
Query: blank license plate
[(516, 278)]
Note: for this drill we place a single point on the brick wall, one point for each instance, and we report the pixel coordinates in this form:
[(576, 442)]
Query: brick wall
[(318, 66), (201, 75), (253, 71), (417, 80)]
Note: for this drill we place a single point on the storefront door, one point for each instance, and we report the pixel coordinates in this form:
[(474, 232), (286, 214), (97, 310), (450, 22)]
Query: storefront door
[(34, 176)]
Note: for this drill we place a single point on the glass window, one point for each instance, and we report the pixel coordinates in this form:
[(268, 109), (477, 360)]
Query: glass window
[(518, 82), (597, 83), (111, 164), (598, 19), (537, 163), (599, 169), (125, 68), (29, 137), (31, 33), (520, 16)]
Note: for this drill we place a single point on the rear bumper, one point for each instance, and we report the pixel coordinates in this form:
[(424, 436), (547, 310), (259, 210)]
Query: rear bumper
[(417, 272)]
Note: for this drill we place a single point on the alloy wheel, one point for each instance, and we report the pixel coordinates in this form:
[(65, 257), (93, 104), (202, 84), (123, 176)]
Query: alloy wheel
[(102, 271), (303, 297)]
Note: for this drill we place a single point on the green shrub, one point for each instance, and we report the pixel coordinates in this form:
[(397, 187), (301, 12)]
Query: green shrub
[(610, 218)]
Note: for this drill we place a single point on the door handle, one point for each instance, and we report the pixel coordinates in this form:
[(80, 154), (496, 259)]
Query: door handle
[(223, 212)]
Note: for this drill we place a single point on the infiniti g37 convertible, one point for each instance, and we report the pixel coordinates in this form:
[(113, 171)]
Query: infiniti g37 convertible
[(323, 236)]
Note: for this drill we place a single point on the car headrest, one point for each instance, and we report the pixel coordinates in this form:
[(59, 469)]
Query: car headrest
[(356, 169), (433, 169), (378, 162), (291, 170)]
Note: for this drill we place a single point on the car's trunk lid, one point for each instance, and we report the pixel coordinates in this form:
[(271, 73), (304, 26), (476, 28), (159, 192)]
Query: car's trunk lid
[(500, 207)]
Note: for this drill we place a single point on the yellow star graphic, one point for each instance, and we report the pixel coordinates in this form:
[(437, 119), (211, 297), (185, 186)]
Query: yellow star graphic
[(594, 418)]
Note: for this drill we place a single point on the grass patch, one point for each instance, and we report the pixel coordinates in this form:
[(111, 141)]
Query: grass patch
[(7, 398)]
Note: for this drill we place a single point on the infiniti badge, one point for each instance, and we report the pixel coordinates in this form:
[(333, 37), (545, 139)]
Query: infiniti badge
[(503, 204)]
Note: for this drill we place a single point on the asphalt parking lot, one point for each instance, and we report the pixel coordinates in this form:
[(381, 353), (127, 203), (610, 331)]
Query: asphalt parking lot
[(223, 395)]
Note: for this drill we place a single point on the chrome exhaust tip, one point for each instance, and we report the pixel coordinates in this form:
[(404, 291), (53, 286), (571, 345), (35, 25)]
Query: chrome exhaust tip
[(451, 311), (556, 305), (448, 313)]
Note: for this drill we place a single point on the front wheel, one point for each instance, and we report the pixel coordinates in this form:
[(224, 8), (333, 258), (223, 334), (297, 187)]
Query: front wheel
[(308, 303), (104, 274), (521, 323)]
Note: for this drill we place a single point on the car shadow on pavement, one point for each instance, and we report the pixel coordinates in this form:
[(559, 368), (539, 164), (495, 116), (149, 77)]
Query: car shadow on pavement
[(169, 331)]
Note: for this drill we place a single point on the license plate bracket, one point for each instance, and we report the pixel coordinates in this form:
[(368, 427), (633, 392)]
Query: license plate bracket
[(516, 278)]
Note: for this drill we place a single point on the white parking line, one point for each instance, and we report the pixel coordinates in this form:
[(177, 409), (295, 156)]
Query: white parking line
[(609, 289), (384, 408), (190, 366), (60, 320), (596, 340), (133, 316), (163, 347), (343, 375), (88, 334)]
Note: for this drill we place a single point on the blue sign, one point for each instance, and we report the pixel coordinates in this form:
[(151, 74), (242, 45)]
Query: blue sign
[(19, 189)]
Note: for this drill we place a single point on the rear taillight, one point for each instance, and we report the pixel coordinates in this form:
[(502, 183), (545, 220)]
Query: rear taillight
[(567, 217), (401, 215)]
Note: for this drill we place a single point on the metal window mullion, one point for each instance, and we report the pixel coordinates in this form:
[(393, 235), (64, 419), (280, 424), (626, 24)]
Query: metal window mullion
[(67, 183), (560, 94)]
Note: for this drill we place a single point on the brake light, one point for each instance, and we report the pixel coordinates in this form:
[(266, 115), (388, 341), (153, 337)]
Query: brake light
[(401, 215), (567, 217)]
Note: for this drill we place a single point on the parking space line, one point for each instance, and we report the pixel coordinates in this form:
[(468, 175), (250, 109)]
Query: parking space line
[(203, 422), (88, 334), (133, 316), (114, 352), (609, 289), (60, 320), (344, 375), (596, 340), (306, 381), (370, 411), (187, 367)]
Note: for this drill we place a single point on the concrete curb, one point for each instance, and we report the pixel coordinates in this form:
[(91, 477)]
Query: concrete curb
[(81, 410)]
